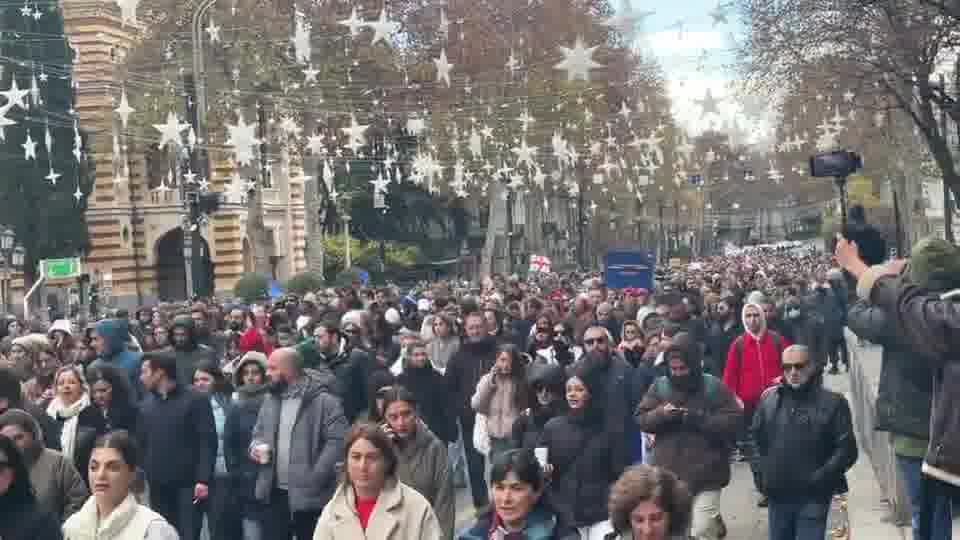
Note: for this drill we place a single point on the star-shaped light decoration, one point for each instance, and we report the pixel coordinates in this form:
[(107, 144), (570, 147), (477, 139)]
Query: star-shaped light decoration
[(29, 148), (354, 23), (301, 39), (526, 120), (124, 110), (416, 125), (310, 74), (443, 67), (516, 182), (539, 177), (203, 184), (708, 105), (189, 176), (525, 153), (52, 176), (625, 111), (719, 14), (315, 144), (356, 134), (242, 138), (128, 10), (380, 183), (444, 26), (289, 125), (170, 130), (578, 60), (383, 28), (213, 31), (15, 96), (475, 143), (78, 195)]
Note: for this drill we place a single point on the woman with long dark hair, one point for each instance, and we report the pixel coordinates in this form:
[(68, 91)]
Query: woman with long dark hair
[(209, 380), (113, 511), (421, 455), (501, 396), (113, 396), (21, 517), (581, 457)]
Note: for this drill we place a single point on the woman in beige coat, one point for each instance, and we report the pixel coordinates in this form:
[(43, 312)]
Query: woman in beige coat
[(371, 503)]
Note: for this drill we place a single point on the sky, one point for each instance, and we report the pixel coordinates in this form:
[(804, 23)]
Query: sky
[(696, 52)]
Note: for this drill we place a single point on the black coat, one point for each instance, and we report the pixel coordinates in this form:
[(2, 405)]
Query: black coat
[(28, 522), (528, 428), (805, 442), (179, 438), (90, 425), (718, 344), (433, 400), (470, 362), (237, 436), (582, 454)]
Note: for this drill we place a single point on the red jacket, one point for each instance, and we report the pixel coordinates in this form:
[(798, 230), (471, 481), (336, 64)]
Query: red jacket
[(757, 370)]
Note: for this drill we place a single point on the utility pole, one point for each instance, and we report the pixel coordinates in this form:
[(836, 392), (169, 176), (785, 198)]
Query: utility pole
[(255, 225), (192, 240), (676, 226), (661, 232), (510, 198), (581, 218)]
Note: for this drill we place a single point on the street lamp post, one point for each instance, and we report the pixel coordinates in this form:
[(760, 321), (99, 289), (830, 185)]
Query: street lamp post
[(12, 259)]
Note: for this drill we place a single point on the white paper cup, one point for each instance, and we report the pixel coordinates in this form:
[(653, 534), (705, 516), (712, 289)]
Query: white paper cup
[(263, 450), (542, 454)]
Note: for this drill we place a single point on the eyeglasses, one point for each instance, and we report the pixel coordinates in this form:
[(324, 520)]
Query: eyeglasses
[(594, 341), (797, 367)]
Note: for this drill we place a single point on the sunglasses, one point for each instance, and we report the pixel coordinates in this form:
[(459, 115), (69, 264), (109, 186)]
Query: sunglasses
[(792, 367), (594, 341)]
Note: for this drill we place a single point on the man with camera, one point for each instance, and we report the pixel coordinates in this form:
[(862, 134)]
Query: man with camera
[(929, 323)]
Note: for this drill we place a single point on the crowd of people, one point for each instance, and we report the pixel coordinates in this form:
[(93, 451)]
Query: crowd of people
[(568, 410)]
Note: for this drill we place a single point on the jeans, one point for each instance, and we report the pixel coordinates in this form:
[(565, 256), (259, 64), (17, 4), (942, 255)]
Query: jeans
[(703, 520), (798, 520), (284, 524), (837, 352), (942, 521), (475, 468), (175, 504), (252, 529), (933, 489)]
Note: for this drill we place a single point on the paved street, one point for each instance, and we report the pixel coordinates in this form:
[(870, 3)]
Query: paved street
[(745, 521)]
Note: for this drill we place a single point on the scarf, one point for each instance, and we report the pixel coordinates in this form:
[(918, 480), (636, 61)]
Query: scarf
[(70, 414)]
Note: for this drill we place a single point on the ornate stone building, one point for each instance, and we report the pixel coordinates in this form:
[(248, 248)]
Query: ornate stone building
[(135, 223)]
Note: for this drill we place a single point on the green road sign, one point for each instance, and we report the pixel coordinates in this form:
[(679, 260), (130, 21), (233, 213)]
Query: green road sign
[(61, 268)]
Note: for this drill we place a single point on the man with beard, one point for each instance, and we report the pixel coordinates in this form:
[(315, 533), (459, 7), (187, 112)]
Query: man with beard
[(618, 383), (178, 433), (475, 358), (695, 420), (189, 352), (298, 440), (805, 443), (723, 330)]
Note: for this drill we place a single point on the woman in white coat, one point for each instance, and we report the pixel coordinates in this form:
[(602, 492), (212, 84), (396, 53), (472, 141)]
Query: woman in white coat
[(112, 513), (371, 503)]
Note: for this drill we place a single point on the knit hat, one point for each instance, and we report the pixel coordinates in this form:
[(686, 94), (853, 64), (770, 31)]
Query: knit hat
[(935, 264), (33, 343), (757, 297), (62, 325)]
